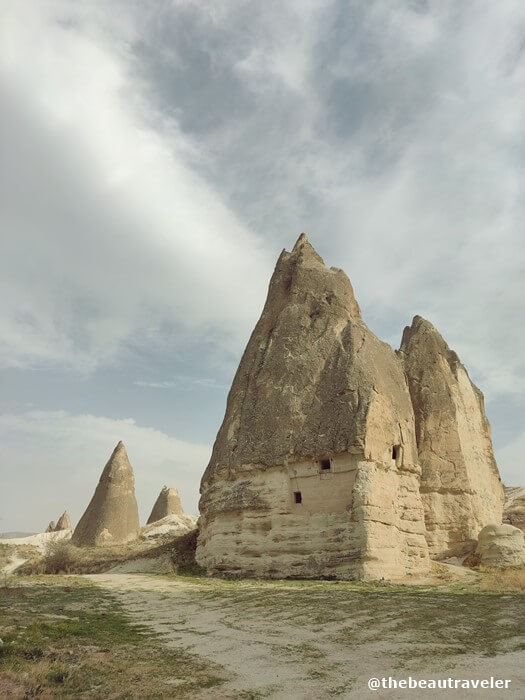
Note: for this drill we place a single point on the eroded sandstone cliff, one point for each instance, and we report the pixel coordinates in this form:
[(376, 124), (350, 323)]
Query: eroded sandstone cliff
[(460, 483), (314, 471)]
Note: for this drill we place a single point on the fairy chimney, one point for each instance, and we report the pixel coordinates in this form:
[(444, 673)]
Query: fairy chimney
[(167, 503), (112, 515), (314, 471)]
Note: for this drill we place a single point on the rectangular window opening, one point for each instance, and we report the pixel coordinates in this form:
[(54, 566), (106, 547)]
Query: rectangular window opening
[(325, 464), (298, 496), (394, 452)]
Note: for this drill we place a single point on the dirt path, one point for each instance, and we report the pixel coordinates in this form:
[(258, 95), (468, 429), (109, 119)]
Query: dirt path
[(311, 642)]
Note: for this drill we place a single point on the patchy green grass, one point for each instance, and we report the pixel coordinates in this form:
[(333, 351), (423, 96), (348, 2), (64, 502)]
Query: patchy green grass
[(64, 637)]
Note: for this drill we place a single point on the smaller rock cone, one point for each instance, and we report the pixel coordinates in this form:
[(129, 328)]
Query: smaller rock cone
[(64, 522), (167, 503), (112, 516), (51, 527)]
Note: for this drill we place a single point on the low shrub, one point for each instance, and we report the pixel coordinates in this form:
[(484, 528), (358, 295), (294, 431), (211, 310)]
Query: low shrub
[(60, 557)]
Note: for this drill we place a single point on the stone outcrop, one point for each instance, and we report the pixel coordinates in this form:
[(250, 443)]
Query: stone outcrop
[(514, 508), (51, 527), (167, 503), (500, 545), (314, 472), (112, 515), (64, 522), (460, 483)]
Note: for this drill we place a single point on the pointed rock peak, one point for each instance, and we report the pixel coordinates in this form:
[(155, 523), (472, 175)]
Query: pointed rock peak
[(423, 339), (64, 522), (417, 331), (305, 249), (118, 465)]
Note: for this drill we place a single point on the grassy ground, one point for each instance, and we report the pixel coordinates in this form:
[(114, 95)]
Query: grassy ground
[(129, 635), (63, 637)]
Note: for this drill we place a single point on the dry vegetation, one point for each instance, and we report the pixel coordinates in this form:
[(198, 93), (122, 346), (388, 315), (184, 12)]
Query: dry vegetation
[(63, 557)]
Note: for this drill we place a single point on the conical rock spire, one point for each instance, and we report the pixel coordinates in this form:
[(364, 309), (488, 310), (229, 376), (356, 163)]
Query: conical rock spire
[(167, 503), (64, 522), (112, 515)]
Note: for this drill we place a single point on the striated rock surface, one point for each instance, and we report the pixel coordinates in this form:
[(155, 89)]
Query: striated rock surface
[(514, 508), (51, 527), (460, 483), (112, 516), (167, 503), (501, 545), (64, 522), (314, 471)]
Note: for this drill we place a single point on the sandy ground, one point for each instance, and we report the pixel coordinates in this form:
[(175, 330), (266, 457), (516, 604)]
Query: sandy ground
[(280, 644)]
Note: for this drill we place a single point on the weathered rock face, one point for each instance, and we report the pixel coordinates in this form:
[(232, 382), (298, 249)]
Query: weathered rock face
[(314, 471), (112, 516), (51, 527), (167, 503), (501, 545), (64, 522), (514, 508), (460, 483)]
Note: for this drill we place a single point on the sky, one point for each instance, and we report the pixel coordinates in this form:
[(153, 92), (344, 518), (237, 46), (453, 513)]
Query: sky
[(157, 156)]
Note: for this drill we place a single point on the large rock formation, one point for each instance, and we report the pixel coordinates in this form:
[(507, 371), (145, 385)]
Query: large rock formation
[(64, 522), (514, 508), (112, 516), (51, 527), (314, 471), (167, 503), (500, 545), (460, 483)]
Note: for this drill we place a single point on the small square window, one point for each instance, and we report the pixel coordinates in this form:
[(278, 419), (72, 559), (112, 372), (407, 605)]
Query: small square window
[(325, 464), (298, 497)]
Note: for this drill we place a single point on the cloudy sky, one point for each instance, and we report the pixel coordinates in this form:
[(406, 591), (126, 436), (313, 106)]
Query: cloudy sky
[(156, 158)]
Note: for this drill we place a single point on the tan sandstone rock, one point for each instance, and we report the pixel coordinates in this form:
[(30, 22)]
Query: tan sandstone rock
[(501, 545), (314, 471), (64, 522), (167, 503), (51, 527), (514, 508), (460, 483), (112, 516)]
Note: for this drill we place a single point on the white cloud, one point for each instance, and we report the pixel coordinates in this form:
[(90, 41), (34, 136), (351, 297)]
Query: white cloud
[(55, 460), (112, 228)]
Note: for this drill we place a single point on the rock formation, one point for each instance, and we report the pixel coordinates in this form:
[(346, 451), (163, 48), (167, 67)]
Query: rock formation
[(51, 527), (501, 545), (314, 472), (167, 503), (112, 516), (514, 508), (460, 483), (64, 522)]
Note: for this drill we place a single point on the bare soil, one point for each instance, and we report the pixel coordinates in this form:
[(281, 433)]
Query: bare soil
[(310, 640)]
